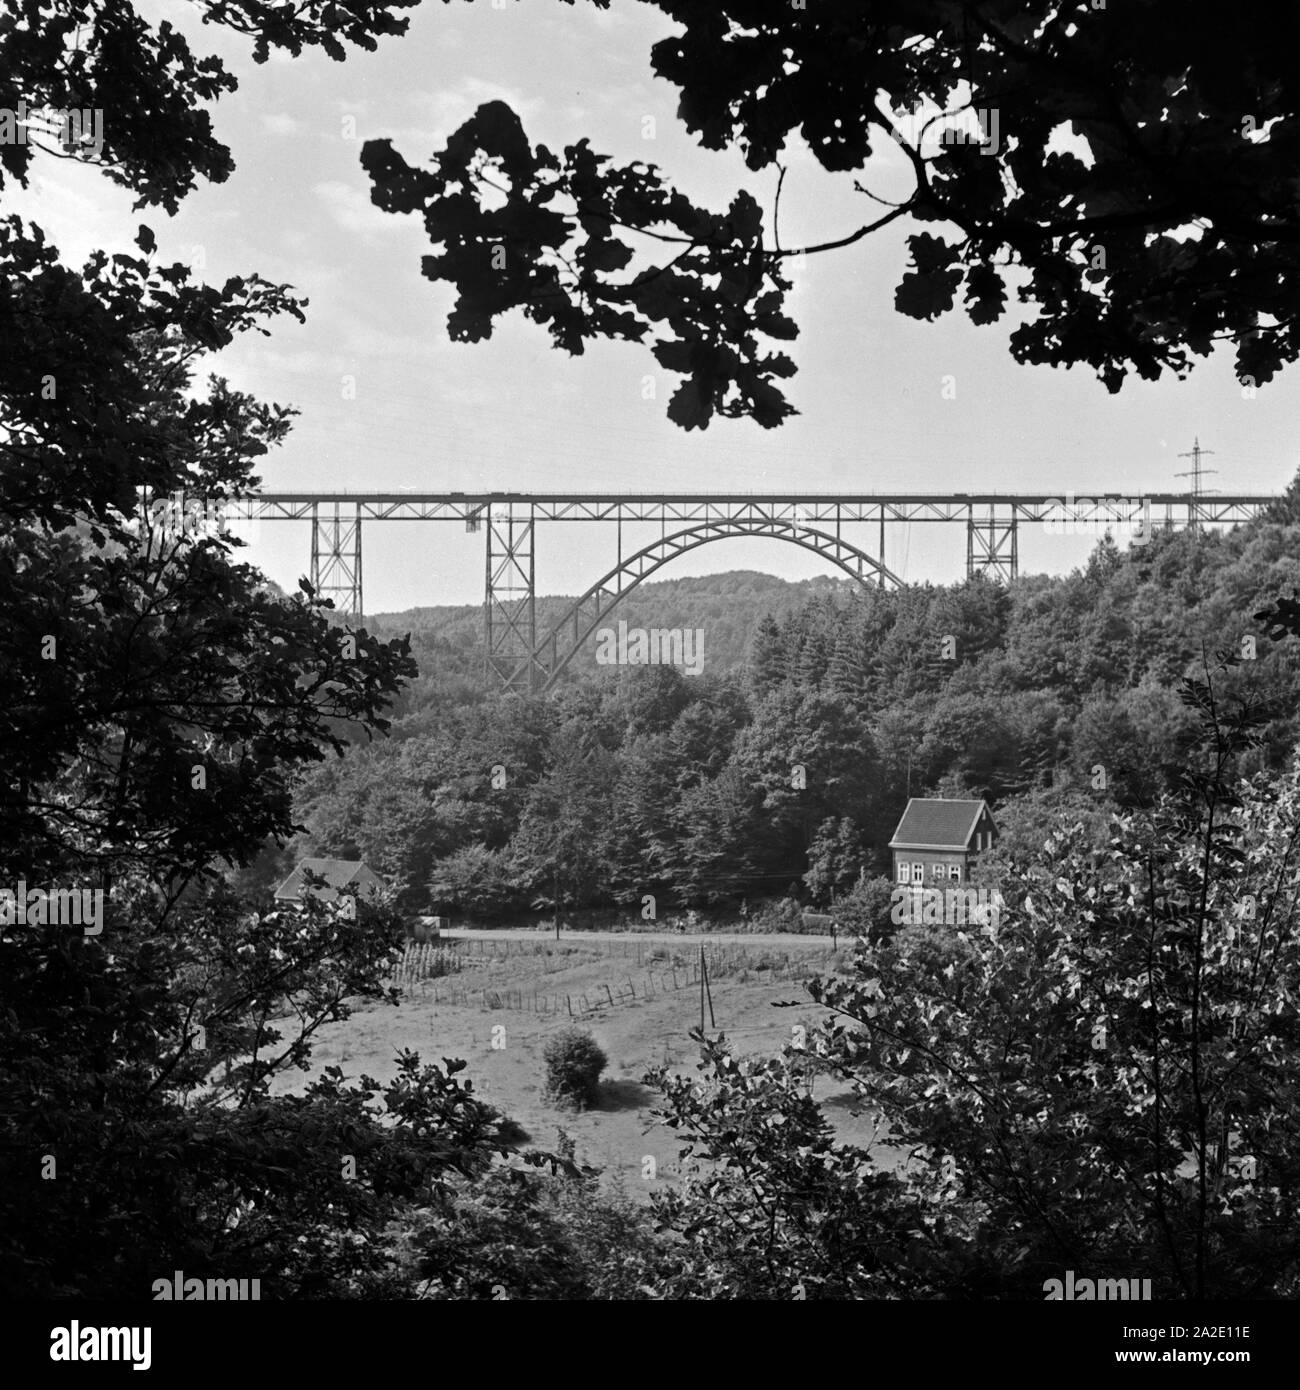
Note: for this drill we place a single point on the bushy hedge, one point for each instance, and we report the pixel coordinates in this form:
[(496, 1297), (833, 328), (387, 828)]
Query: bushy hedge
[(865, 910), (574, 1062)]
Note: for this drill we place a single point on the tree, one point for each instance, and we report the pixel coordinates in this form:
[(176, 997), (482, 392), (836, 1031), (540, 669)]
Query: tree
[(1131, 741), (1164, 220), (163, 701), (766, 656), (865, 910), (813, 759), (650, 699), (479, 881), (124, 65), (836, 858), (726, 848), (536, 1236), (1029, 821), (779, 1209), (557, 845), (845, 675), (1101, 1079), (641, 843)]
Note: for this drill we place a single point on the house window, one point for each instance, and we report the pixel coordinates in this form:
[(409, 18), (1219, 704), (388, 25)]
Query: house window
[(936, 870), (904, 872), (918, 873), (954, 872)]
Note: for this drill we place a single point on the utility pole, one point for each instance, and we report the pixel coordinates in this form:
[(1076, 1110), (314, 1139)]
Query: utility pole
[(1195, 473), (705, 990)]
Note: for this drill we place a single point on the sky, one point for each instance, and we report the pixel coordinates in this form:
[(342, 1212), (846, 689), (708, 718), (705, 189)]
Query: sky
[(512, 414)]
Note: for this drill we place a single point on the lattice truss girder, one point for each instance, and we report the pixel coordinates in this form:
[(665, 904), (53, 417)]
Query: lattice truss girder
[(519, 659), (510, 599), (992, 545), (892, 507), (336, 560)]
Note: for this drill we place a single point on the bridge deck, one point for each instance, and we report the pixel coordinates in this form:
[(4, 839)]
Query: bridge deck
[(787, 506), (522, 658)]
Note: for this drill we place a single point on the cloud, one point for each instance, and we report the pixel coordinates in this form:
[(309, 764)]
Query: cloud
[(278, 123), (352, 210), (442, 112)]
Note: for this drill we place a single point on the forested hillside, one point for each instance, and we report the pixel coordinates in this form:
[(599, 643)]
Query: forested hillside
[(787, 771), (727, 606)]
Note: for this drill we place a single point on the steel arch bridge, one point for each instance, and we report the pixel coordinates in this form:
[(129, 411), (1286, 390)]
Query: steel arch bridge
[(549, 656), (520, 660)]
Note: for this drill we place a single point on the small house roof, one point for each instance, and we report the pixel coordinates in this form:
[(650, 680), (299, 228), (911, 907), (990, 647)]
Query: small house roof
[(337, 873), (937, 823)]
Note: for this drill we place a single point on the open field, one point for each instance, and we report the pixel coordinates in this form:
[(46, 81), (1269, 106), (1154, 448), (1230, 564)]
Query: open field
[(631, 1008)]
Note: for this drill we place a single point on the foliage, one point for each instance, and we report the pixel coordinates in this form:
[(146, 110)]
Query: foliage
[(1097, 1081), (574, 1062), (164, 702), (865, 909), (781, 1210), (1103, 1079), (1168, 134), (836, 857), (1064, 690), (478, 879), (518, 1234)]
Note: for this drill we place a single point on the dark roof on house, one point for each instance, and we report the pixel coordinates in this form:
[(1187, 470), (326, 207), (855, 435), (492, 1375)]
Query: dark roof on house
[(935, 823), (337, 873)]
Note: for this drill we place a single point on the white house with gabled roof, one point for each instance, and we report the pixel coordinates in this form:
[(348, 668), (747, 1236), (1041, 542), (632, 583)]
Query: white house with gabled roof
[(939, 839)]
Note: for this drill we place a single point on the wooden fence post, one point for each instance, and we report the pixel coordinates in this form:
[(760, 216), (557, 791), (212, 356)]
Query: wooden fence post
[(611, 997), (701, 989)]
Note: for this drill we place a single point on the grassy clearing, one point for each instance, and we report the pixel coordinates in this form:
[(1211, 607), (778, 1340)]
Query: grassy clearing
[(445, 1015)]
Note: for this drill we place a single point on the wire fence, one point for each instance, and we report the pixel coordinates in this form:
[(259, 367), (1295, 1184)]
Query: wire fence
[(644, 950), (664, 972)]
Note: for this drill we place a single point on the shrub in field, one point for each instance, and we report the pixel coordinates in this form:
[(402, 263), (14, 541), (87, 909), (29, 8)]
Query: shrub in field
[(574, 1063)]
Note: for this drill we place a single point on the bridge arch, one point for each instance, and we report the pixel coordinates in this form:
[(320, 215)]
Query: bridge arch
[(563, 642)]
